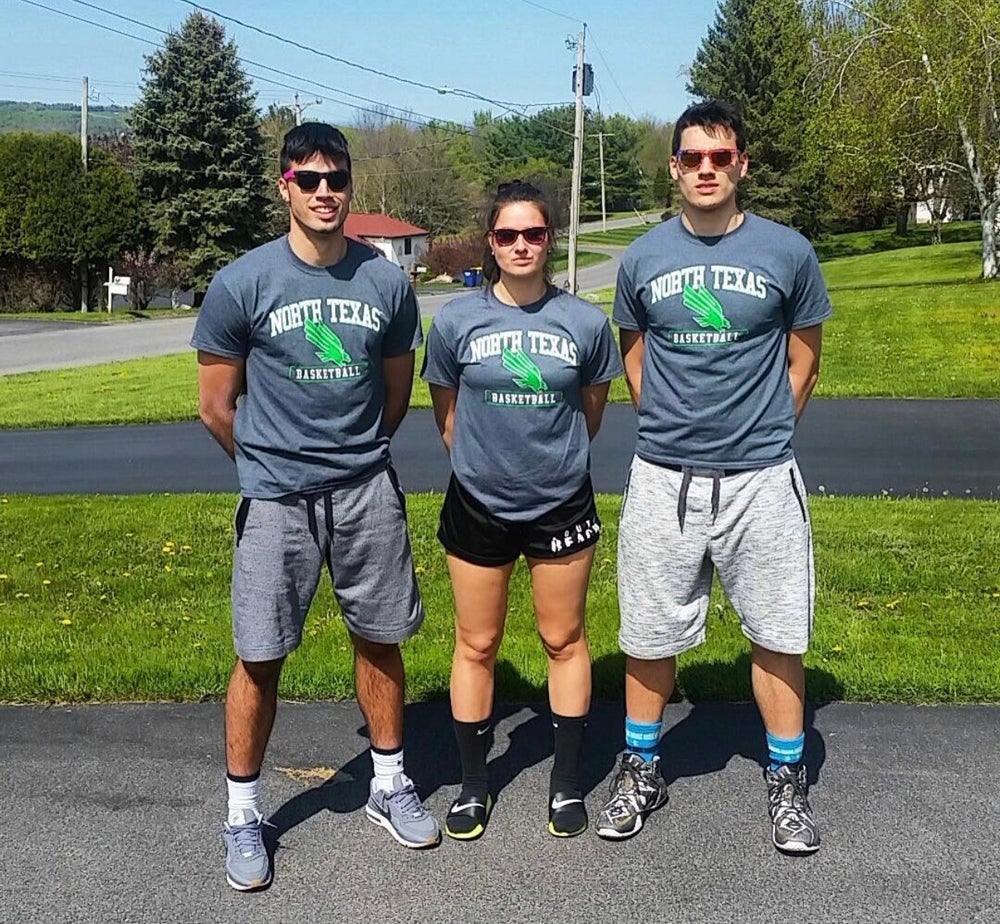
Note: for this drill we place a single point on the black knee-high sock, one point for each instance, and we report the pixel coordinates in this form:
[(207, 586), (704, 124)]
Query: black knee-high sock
[(568, 734), (474, 739)]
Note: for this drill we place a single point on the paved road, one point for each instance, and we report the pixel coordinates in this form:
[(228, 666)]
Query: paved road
[(111, 814), (31, 346), (920, 448)]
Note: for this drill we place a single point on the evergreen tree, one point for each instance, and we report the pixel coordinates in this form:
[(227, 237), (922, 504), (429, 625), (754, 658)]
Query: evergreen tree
[(757, 54), (199, 151), (662, 186)]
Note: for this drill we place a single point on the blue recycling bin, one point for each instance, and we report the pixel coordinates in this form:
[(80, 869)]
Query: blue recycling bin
[(479, 276), (468, 278)]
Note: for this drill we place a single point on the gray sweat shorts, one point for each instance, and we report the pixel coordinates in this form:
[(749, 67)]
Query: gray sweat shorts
[(679, 527), (359, 532)]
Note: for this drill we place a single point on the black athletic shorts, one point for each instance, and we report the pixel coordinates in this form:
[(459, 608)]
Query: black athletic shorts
[(469, 531)]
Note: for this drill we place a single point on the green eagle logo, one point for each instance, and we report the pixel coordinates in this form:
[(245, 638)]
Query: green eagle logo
[(707, 309), (526, 373), (331, 349)]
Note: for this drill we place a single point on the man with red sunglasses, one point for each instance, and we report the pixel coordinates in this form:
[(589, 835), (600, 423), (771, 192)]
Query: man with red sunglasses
[(305, 366), (720, 315)]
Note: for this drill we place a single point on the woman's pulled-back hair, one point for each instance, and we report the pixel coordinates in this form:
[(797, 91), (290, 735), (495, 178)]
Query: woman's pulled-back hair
[(516, 191)]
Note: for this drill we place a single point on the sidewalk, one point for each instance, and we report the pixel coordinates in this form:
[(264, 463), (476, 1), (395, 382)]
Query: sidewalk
[(112, 814)]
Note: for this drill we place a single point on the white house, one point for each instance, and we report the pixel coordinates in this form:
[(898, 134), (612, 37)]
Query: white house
[(400, 243)]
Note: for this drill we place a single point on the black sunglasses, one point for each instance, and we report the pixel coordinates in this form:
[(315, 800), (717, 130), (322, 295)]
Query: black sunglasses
[(309, 180)]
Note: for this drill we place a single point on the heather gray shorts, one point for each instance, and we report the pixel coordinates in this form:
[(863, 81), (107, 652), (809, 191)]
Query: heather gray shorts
[(677, 529), (358, 531)]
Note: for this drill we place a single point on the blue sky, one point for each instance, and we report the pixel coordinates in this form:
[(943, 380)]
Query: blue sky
[(512, 51)]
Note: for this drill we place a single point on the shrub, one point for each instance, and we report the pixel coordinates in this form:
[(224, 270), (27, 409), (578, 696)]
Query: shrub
[(26, 288), (454, 253)]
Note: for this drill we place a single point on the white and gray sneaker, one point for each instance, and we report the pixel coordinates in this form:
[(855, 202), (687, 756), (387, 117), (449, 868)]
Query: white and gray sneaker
[(637, 789), (248, 866), (793, 827), (402, 814)]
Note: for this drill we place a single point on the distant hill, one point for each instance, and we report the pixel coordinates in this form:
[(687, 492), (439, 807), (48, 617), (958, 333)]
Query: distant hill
[(61, 118)]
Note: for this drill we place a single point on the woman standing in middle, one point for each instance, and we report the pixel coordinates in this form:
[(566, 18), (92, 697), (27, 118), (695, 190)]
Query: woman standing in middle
[(519, 375)]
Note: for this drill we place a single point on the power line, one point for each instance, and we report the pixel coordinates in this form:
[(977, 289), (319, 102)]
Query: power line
[(538, 6), (443, 125), (245, 61), (612, 76), (325, 54)]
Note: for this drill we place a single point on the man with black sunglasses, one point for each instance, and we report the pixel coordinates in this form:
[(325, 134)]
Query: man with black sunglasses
[(305, 352), (720, 315)]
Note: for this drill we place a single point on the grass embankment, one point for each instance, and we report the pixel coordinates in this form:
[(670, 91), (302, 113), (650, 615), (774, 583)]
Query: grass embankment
[(909, 323), (118, 316), (121, 598)]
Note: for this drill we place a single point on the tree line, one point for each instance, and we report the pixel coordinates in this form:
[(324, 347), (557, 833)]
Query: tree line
[(856, 109)]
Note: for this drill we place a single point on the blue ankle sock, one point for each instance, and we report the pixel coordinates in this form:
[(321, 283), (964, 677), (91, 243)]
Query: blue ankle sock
[(642, 738), (785, 750)]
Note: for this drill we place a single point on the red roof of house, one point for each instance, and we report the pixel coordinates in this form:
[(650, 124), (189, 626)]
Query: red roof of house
[(362, 225)]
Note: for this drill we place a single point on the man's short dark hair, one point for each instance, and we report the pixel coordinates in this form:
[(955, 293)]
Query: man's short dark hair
[(713, 114), (310, 138)]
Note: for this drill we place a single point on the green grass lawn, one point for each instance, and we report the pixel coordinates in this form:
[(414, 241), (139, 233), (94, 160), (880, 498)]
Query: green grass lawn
[(941, 263), (127, 598), (560, 262), (862, 242), (922, 341)]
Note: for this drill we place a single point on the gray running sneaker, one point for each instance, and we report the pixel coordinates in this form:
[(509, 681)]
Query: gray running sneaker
[(403, 815), (793, 827), (248, 867), (637, 789)]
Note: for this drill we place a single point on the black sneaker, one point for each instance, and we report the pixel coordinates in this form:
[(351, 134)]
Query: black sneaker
[(567, 814), (467, 817), (793, 827), (637, 789)]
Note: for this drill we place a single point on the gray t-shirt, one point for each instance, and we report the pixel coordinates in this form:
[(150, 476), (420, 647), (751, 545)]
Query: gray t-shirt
[(520, 444), (716, 312), (313, 339)]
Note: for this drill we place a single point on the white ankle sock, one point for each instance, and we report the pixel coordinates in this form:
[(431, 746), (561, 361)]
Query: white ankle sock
[(386, 766), (244, 801)]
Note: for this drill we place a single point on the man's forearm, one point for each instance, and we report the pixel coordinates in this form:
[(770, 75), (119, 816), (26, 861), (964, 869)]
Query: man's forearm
[(802, 388), (394, 412), (220, 425)]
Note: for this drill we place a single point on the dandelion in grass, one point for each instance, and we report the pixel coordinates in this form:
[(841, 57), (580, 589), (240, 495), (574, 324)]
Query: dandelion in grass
[(4, 577), (46, 582), (66, 622)]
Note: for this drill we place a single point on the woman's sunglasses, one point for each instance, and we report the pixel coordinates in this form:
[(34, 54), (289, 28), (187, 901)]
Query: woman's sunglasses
[(720, 158), (309, 180), (507, 236)]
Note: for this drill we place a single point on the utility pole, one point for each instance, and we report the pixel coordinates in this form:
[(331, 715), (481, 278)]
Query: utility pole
[(574, 202), (604, 211), (299, 107), (84, 269)]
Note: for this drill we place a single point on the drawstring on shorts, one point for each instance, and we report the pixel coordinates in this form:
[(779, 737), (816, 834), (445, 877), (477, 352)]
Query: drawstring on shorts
[(688, 471)]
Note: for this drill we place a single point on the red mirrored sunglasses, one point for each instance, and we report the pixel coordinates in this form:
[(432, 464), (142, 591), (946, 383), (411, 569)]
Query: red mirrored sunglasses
[(507, 236), (720, 158)]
